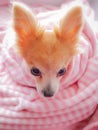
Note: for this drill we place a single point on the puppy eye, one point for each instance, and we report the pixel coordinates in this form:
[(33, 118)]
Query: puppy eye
[(61, 72), (35, 71)]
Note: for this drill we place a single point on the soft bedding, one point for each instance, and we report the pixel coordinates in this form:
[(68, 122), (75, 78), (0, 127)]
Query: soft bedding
[(75, 105)]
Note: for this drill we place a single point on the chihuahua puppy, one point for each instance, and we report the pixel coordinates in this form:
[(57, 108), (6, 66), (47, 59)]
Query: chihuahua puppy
[(47, 53)]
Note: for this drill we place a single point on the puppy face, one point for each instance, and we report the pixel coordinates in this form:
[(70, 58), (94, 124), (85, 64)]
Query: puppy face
[(47, 53)]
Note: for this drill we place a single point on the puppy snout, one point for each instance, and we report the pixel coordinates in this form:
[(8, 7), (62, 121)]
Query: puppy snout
[(48, 92)]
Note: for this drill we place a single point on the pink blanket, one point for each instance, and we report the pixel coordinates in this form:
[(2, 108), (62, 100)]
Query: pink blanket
[(75, 105)]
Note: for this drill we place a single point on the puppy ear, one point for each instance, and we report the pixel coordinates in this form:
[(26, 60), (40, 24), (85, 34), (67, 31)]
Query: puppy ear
[(71, 24), (25, 22)]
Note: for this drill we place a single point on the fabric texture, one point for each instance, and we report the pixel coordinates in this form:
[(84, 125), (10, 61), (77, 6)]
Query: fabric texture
[(75, 105)]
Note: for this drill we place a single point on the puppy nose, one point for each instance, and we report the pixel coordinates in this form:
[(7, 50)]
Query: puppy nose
[(47, 92)]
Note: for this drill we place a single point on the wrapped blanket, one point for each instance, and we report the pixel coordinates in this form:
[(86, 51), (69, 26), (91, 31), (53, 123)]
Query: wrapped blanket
[(75, 105)]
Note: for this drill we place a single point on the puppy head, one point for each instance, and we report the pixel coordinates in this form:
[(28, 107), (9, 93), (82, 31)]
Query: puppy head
[(47, 53)]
